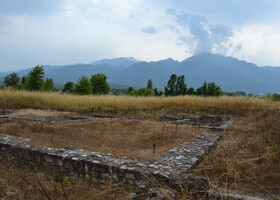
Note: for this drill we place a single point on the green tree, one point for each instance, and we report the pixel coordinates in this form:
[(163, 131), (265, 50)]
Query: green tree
[(144, 92), (68, 87), (275, 97), (23, 80), (20, 87), (35, 79), (157, 93), (83, 86), (99, 84), (150, 84), (12, 80), (240, 93), (199, 91), (170, 89), (202, 91), (181, 87), (176, 86), (49, 85), (130, 91), (209, 89), (218, 91), (191, 91), (213, 89)]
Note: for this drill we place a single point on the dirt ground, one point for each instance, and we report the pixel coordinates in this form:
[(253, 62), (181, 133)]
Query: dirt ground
[(39, 113)]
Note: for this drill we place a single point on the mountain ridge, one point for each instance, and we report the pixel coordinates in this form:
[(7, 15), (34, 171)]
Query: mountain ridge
[(228, 72)]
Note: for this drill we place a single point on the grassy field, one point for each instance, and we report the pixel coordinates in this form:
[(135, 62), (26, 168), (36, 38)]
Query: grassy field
[(247, 158), (121, 138), (134, 105)]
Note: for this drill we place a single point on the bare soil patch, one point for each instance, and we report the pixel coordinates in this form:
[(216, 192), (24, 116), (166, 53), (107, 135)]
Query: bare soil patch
[(39, 113)]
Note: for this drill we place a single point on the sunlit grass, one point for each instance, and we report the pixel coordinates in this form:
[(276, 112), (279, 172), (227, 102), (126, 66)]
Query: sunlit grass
[(25, 99)]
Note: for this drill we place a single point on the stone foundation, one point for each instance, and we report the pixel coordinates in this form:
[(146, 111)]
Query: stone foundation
[(134, 175)]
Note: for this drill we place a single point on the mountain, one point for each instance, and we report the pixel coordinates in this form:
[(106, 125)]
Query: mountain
[(139, 73), (118, 63), (72, 73), (62, 74), (274, 69), (228, 72), (20, 73)]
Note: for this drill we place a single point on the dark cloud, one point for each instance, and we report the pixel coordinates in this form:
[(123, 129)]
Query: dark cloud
[(149, 30), (30, 7), (236, 12), (200, 35), (221, 30)]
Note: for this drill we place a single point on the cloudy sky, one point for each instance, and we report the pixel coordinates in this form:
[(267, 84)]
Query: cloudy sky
[(58, 32)]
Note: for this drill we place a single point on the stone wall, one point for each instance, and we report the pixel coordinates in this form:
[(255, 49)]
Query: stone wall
[(134, 175)]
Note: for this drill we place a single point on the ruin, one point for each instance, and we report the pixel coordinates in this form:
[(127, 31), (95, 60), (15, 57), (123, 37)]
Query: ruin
[(171, 170)]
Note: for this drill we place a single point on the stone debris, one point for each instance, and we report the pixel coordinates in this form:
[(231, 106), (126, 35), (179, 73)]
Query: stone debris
[(132, 196), (203, 121), (217, 193), (161, 194), (56, 120), (194, 183), (69, 148), (111, 116)]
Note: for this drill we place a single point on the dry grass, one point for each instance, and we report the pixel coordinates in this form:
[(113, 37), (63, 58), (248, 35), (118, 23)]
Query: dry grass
[(39, 113), (132, 105), (248, 157), (121, 137), (18, 182)]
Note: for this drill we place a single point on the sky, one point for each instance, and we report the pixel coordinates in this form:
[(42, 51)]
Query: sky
[(60, 32)]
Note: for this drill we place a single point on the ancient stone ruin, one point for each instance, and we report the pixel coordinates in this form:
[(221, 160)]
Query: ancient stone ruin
[(171, 170)]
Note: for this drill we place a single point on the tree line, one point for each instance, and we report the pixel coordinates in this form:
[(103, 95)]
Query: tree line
[(97, 84), (176, 86), (35, 81)]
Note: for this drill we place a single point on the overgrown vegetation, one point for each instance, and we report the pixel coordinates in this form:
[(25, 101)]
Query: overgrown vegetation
[(247, 158)]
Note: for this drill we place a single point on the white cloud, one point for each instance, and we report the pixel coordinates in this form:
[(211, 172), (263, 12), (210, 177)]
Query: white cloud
[(86, 30), (260, 44), (84, 33)]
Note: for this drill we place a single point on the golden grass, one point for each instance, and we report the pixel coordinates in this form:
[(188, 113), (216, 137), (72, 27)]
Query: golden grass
[(19, 182), (130, 138), (246, 159), (130, 104)]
